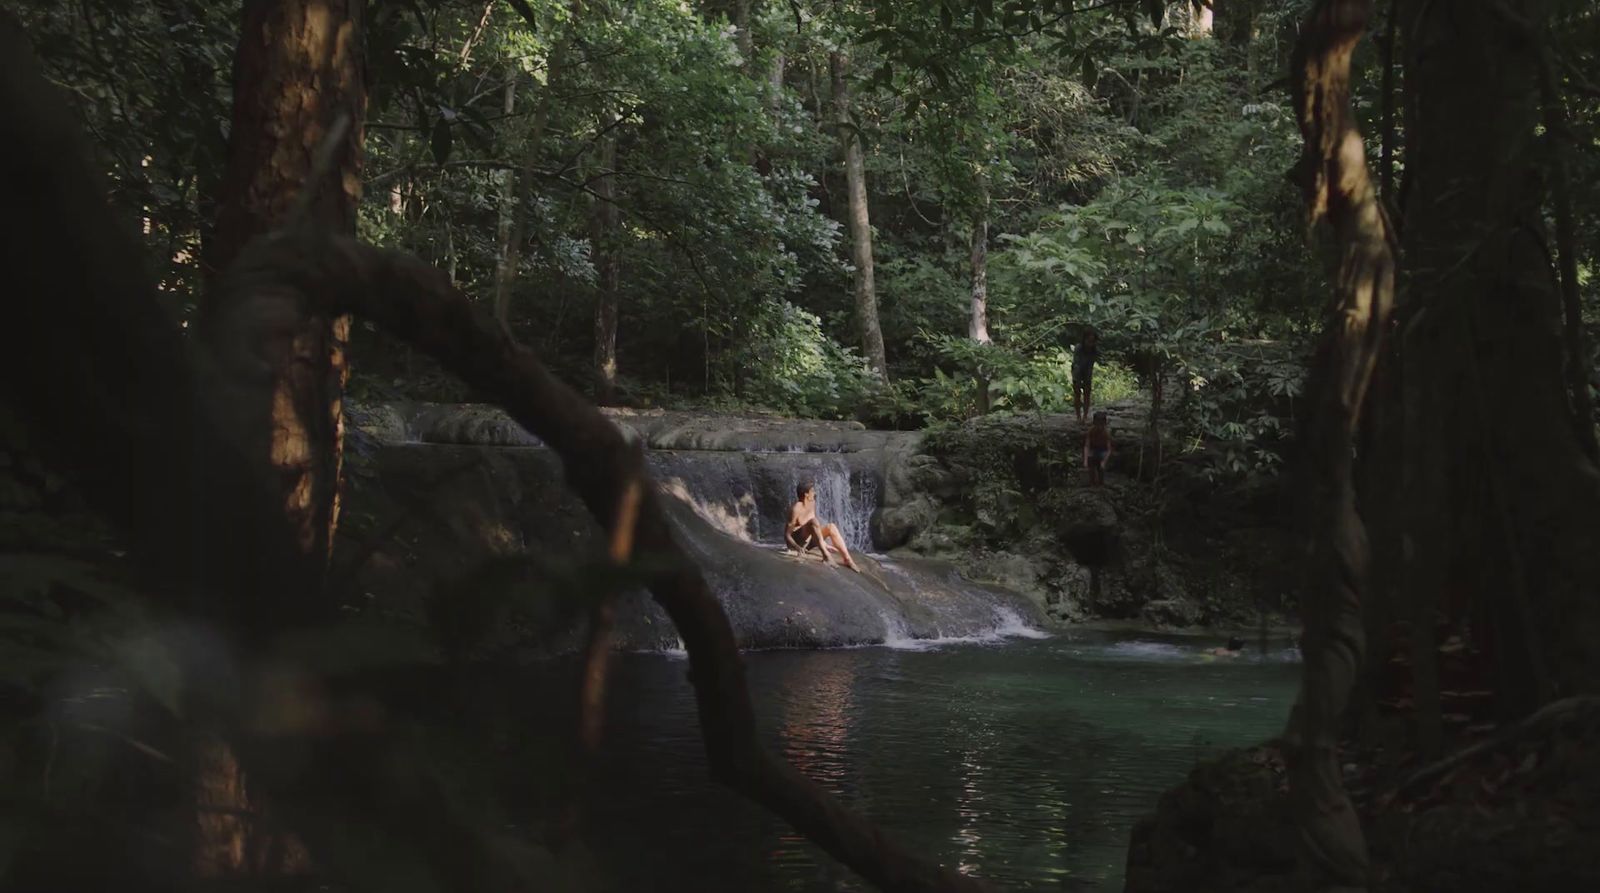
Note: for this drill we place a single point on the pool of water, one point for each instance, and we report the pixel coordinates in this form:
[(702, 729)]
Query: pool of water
[(1026, 761)]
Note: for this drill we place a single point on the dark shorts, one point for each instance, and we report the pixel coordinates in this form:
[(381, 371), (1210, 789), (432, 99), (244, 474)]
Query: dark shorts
[(1097, 458), (1082, 374)]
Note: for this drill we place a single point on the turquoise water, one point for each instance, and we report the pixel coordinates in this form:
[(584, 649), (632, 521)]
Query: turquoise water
[(1026, 762)]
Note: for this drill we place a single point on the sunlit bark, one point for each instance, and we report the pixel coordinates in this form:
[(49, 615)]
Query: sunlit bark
[(1339, 192), (978, 323), (298, 72)]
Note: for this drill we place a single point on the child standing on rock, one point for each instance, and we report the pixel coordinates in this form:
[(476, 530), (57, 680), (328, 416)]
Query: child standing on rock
[(1097, 449)]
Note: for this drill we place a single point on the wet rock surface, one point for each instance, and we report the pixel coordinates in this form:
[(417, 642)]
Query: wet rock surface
[(1003, 499), (489, 538), (1523, 815)]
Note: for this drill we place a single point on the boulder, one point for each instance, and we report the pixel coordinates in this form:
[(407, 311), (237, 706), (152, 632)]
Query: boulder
[(1227, 827), (895, 525), (1172, 612)]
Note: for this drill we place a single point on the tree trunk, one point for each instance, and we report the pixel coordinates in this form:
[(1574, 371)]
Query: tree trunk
[(1522, 509), (775, 78), (604, 232), (1338, 190), (860, 224), (978, 325), (295, 148), (297, 74), (505, 271)]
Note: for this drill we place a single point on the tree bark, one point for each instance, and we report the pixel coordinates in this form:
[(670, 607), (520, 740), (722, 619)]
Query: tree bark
[(1523, 505), (298, 72), (505, 271), (978, 324), (1338, 191), (295, 148), (608, 268), (855, 174)]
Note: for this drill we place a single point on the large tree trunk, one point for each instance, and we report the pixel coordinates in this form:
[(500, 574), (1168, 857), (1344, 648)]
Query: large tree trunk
[(297, 75), (608, 269), (295, 150), (1518, 515), (855, 173), (1339, 191)]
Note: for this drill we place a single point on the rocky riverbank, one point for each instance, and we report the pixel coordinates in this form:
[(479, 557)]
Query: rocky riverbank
[(1161, 544), (444, 497), (1518, 811)]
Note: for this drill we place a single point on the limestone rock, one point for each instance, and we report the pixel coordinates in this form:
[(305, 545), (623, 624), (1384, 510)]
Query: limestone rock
[(894, 525)]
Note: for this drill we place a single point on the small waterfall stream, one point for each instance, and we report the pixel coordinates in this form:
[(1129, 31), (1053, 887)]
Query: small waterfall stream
[(748, 494)]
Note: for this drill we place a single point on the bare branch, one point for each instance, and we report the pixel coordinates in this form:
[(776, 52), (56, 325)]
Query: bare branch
[(417, 303)]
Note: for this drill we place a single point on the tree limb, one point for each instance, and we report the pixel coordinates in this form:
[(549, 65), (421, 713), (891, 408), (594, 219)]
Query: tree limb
[(417, 303)]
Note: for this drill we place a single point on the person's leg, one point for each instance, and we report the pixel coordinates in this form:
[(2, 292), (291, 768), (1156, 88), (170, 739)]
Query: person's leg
[(809, 536), (832, 532), (1088, 392), (1077, 395)]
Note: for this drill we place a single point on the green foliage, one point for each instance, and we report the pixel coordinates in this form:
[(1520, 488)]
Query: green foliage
[(1129, 174)]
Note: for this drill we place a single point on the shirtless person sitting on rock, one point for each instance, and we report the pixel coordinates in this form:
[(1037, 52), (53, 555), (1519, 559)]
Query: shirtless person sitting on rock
[(805, 530)]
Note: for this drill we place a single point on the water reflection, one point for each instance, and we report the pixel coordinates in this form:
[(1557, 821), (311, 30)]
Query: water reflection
[(814, 731), (1025, 764)]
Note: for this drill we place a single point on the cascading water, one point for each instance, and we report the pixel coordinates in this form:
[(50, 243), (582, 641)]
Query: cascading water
[(748, 494)]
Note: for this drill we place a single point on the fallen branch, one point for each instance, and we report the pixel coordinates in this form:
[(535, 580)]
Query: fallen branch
[(418, 304)]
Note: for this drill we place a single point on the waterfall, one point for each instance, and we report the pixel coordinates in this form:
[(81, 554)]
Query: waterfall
[(747, 495)]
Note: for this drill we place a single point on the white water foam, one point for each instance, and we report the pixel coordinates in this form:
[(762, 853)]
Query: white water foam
[(1013, 626), (1008, 625)]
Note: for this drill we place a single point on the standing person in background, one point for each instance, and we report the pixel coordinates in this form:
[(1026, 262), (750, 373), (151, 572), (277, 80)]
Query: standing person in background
[(1083, 360), (1097, 449)]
